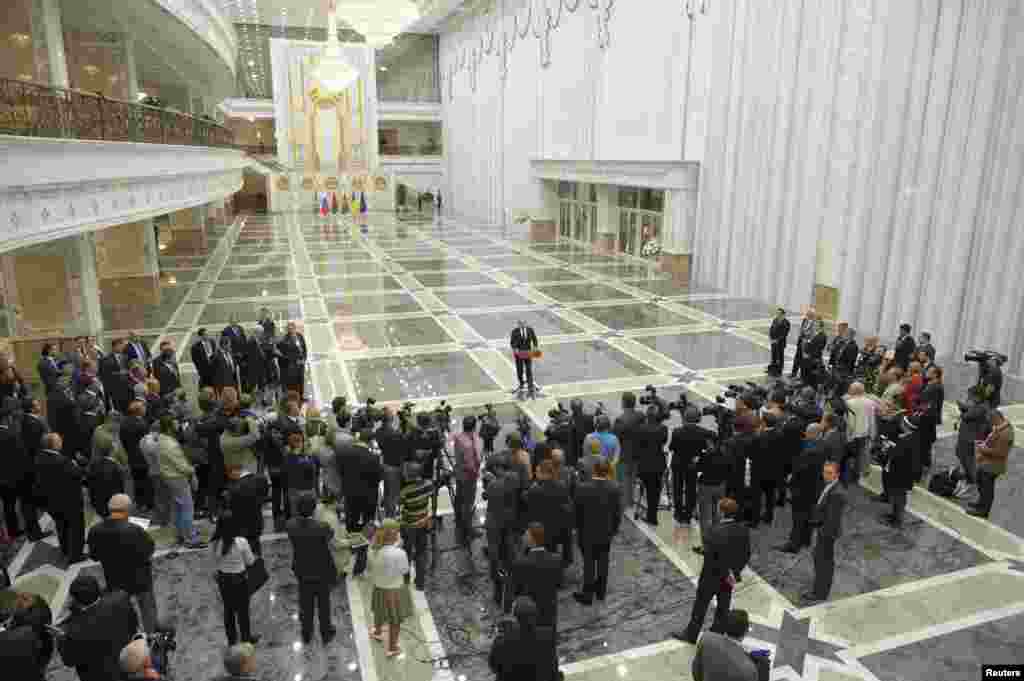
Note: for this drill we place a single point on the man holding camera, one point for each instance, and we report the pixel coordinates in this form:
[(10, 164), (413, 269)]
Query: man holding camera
[(394, 450), (689, 443), (652, 434)]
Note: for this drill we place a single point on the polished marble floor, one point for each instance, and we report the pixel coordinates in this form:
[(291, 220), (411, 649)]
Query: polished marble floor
[(422, 311)]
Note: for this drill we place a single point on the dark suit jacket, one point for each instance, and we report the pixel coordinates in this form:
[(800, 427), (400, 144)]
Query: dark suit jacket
[(58, 480), (504, 497), (650, 447), (237, 335), (523, 341), (394, 446), (519, 655), (726, 549), (828, 515), (360, 470), (719, 658), (806, 482), (312, 560), (625, 428), (224, 370), (582, 425), (168, 374), (95, 636), (133, 429), (202, 363), (904, 349), (293, 352), (246, 497), (688, 442), (537, 575), (904, 462), (598, 512), (548, 503), (33, 429), (779, 330), (255, 362), (126, 552), (846, 358), (113, 373), (105, 480), (15, 466), (815, 347)]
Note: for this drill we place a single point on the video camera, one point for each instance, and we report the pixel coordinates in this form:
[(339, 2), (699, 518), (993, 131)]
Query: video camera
[(366, 416), (983, 357), (650, 397), (752, 394), (559, 413)]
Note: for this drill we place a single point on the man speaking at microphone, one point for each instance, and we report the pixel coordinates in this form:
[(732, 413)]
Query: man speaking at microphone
[(524, 341)]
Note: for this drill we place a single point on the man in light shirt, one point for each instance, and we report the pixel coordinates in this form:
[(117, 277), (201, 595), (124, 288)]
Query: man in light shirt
[(861, 429)]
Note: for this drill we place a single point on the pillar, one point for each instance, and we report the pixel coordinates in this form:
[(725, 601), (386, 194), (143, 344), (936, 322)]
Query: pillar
[(607, 218), (131, 67), (188, 232), (54, 32), (87, 313), (128, 270), (677, 232)]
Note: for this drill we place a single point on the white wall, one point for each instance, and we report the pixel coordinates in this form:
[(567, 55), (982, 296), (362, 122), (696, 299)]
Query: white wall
[(891, 132), (621, 102)]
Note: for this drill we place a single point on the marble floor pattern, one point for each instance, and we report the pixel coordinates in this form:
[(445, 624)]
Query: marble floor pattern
[(421, 310)]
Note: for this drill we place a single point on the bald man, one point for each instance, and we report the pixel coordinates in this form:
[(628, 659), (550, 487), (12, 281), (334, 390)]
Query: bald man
[(125, 551), (135, 662), (59, 484), (827, 517)]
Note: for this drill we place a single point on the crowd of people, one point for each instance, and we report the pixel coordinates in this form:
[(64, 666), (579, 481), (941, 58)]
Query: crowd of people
[(117, 427)]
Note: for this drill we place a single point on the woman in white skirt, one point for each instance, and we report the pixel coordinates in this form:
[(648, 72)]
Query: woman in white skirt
[(389, 572)]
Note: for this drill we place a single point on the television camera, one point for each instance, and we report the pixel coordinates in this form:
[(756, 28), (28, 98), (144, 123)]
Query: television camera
[(990, 374), (651, 397)]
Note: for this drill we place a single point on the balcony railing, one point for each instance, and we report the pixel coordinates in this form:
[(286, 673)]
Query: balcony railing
[(33, 110)]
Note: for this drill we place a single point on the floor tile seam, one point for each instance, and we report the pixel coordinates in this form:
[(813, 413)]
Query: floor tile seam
[(914, 588), (46, 524), (604, 661), (977, 545), (361, 631), (864, 650), (500, 384)]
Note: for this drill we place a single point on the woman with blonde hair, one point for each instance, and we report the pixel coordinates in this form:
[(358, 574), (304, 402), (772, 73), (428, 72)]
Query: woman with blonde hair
[(389, 572)]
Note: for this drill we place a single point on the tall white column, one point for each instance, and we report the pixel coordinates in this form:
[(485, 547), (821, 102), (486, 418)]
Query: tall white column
[(90, 320), (152, 247), (131, 67), (54, 32), (607, 209)]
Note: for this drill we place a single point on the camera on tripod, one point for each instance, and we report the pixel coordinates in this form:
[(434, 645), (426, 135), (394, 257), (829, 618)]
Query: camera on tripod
[(754, 395), (985, 356), (367, 415), (651, 397)]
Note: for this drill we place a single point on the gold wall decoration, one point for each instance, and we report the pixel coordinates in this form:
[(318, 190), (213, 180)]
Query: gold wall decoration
[(331, 183), (359, 184), (380, 183), (283, 184), (307, 183)]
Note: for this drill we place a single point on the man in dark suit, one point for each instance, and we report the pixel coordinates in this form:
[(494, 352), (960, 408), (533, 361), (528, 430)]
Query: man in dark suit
[(314, 568), (255, 374), (828, 518), (597, 522), (236, 335), (137, 350), (394, 451), (726, 553), (625, 428), (125, 551), (778, 334), (688, 444), (805, 485), (113, 374), (582, 426), (47, 368), (293, 359), (808, 326), (549, 504), (59, 483), (97, 630), (502, 522), (33, 428), (202, 353), (651, 437), (814, 349), (905, 347), (722, 657), (361, 474), (165, 369), (523, 650), (246, 494), (537, 575), (524, 339), (899, 472)]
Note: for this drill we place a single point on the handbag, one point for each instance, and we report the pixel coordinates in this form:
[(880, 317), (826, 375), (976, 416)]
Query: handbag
[(256, 575)]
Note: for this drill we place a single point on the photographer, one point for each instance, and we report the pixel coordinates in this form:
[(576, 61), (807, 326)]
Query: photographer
[(287, 422), (361, 473), (466, 448), (559, 431), (582, 425), (240, 436), (414, 502), (301, 469), (425, 444), (26, 645), (625, 429), (975, 424), (489, 428), (768, 467), (652, 435), (97, 630), (394, 450), (549, 504), (502, 522), (688, 444), (713, 471)]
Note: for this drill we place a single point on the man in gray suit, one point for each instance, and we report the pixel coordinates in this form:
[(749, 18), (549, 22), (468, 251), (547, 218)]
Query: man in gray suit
[(722, 657)]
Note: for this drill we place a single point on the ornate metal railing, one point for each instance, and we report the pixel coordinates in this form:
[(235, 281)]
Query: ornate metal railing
[(34, 110)]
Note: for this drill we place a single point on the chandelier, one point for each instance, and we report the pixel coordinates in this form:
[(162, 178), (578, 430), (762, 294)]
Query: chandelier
[(379, 21), (333, 72)]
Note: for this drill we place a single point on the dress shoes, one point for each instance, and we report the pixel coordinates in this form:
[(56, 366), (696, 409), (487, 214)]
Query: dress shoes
[(810, 598), (684, 636), (329, 636), (583, 598), (788, 548), (977, 512)]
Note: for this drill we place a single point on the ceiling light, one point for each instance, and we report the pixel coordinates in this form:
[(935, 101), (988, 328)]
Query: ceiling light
[(252, 63), (91, 69), (21, 39), (383, 68), (140, 96), (27, 77)]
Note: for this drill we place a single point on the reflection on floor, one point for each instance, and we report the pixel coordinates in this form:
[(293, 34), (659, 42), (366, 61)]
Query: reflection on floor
[(422, 310)]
